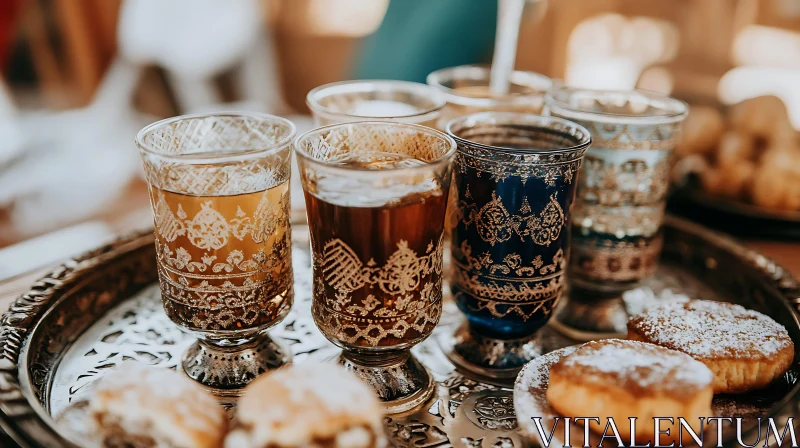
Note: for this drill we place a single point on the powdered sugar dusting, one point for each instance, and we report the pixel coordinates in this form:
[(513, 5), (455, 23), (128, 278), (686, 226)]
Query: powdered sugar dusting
[(639, 300), (331, 387), (536, 373), (302, 404), (639, 365), (706, 329), (158, 402), (164, 383), (530, 389)]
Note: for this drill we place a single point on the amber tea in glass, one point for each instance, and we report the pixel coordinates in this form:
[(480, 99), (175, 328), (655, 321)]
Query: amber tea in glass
[(219, 188), (376, 195), (267, 239)]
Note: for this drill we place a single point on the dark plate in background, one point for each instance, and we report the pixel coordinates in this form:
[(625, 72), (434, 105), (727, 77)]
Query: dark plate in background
[(734, 217)]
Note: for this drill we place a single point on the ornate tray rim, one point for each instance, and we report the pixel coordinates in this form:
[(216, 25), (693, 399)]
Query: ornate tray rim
[(22, 420), (25, 421)]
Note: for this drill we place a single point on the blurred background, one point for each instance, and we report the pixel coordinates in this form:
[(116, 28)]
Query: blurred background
[(80, 77)]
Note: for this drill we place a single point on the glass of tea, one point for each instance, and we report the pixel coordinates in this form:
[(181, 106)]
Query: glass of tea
[(219, 188), (466, 90), (621, 200), (399, 101), (376, 194), (515, 177)]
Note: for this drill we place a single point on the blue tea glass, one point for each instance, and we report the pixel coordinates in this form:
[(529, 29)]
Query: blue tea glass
[(515, 177)]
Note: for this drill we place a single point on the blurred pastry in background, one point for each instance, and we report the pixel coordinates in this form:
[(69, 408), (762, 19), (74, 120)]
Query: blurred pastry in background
[(138, 405), (702, 129), (763, 117), (309, 405), (735, 146), (732, 181), (750, 154)]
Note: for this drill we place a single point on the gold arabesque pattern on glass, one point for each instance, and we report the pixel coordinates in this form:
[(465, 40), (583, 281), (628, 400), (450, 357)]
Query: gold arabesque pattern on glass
[(220, 196), (376, 194)]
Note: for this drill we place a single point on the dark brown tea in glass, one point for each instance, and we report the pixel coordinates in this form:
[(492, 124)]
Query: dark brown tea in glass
[(402, 279), (376, 195)]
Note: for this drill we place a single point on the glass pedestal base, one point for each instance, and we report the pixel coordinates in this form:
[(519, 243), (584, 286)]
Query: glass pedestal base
[(586, 316), (494, 360), (233, 367), (399, 379)]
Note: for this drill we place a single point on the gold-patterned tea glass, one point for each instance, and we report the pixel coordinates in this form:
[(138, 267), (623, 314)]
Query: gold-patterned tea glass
[(619, 209), (376, 194), (515, 178), (219, 188), (399, 101), (466, 90)]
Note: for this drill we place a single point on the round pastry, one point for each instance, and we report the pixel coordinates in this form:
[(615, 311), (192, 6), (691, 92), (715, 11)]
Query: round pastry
[(702, 130), (731, 181), (769, 189), (137, 405), (763, 117), (745, 349), (309, 405), (735, 147), (621, 379), (713, 181)]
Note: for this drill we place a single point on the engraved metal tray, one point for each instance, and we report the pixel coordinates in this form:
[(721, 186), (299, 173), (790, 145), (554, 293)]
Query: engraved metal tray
[(103, 307)]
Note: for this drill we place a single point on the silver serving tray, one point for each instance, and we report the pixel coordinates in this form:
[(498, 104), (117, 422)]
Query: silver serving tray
[(103, 307)]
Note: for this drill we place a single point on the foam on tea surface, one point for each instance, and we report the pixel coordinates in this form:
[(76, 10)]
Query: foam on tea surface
[(373, 160), (377, 241), (383, 108), (353, 191)]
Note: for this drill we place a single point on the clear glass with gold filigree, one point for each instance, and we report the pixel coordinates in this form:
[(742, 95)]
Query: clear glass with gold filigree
[(365, 100), (466, 90), (515, 177), (621, 200), (376, 194), (219, 188)]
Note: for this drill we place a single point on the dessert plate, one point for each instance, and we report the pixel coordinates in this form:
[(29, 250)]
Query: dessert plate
[(530, 402)]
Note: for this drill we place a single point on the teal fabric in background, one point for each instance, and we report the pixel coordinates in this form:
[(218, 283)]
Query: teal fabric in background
[(420, 36)]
